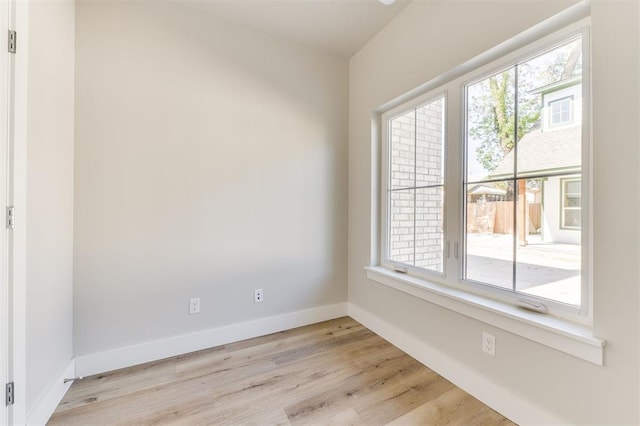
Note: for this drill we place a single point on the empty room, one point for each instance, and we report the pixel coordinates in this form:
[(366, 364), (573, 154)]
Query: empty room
[(314, 212)]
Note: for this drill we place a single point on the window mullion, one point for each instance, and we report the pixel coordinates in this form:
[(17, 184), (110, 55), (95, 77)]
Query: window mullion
[(516, 185), (415, 181)]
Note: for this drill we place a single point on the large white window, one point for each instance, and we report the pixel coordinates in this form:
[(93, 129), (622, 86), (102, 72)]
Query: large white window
[(501, 214)]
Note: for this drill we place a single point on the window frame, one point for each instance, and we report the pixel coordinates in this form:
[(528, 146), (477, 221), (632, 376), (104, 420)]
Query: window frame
[(388, 116), (455, 127), (583, 312)]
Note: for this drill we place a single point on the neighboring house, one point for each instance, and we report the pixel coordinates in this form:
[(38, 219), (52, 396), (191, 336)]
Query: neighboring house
[(554, 148), (486, 192)]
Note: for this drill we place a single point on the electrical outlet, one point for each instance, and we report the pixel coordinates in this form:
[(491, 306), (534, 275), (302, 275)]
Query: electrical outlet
[(258, 297), (489, 344), (194, 305)]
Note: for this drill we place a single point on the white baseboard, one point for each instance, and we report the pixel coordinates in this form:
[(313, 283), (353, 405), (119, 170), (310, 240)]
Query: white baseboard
[(47, 404), (100, 362), (500, 399)]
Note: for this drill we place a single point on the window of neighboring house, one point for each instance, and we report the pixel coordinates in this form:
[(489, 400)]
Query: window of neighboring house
[(571, 204), (560, 111), (500, 239)]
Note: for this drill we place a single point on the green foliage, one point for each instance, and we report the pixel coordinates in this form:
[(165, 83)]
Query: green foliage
[(493, 117), (492, 110)]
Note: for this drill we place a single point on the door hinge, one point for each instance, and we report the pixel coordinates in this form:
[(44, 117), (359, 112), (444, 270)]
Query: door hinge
[(10, 394), (12, 41), (11, 219)]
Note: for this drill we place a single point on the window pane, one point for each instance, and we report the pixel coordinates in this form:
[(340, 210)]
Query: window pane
[(490, 233), (572, 200), (430, 144), (572, 188), (415, 188), (402, 226), (548, 257), (403, 151), (571, 203), (572, 218), (549, 88), (560, 111), (429, 228), (490, 124), (550, 70)]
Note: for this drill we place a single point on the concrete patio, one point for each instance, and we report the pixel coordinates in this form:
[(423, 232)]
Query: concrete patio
[(544, 269)]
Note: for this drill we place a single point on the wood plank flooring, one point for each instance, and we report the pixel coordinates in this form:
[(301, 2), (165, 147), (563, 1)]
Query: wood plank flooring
[(333, 373)]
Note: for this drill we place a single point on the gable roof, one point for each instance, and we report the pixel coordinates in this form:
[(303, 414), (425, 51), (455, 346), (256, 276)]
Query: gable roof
[(549, 151), (486, 189)]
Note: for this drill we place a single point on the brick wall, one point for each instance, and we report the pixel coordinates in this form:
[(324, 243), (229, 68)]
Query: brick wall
[(416, 216)]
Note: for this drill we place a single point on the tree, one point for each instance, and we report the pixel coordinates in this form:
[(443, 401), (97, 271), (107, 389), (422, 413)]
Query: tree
[(494, 114)]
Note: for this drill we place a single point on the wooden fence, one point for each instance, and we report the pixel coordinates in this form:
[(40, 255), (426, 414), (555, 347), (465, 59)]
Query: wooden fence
[(496, 217)]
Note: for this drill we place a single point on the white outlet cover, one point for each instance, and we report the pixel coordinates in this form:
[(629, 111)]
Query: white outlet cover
[(194, 305), (489, 344)]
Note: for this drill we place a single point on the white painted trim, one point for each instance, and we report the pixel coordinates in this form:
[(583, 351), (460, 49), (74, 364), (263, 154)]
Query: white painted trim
[(18, 197), (127, 356), (5, 111), (574, 339), (48, 402), (455, 159), (500, 399)]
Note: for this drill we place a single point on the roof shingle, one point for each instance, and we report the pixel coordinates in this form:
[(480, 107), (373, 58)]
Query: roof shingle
[(538, 151)]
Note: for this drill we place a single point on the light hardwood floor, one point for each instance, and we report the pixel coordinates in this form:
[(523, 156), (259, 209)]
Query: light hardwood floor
[(333, 373)]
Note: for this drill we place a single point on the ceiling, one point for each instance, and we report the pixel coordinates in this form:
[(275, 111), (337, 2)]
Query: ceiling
[(335, 27)]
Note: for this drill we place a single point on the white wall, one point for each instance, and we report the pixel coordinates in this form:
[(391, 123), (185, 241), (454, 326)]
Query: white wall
[(49, 195), (431, 37), (211, 160)]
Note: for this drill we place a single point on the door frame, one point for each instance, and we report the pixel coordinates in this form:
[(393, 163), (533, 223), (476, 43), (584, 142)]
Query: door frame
[(13, 185), (6, 103)]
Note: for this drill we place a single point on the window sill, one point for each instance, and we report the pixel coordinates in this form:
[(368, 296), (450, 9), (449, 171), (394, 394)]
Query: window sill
[(574, 339)]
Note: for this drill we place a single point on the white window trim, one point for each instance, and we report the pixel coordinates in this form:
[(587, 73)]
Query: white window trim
[(570, 333), (571, 338)]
